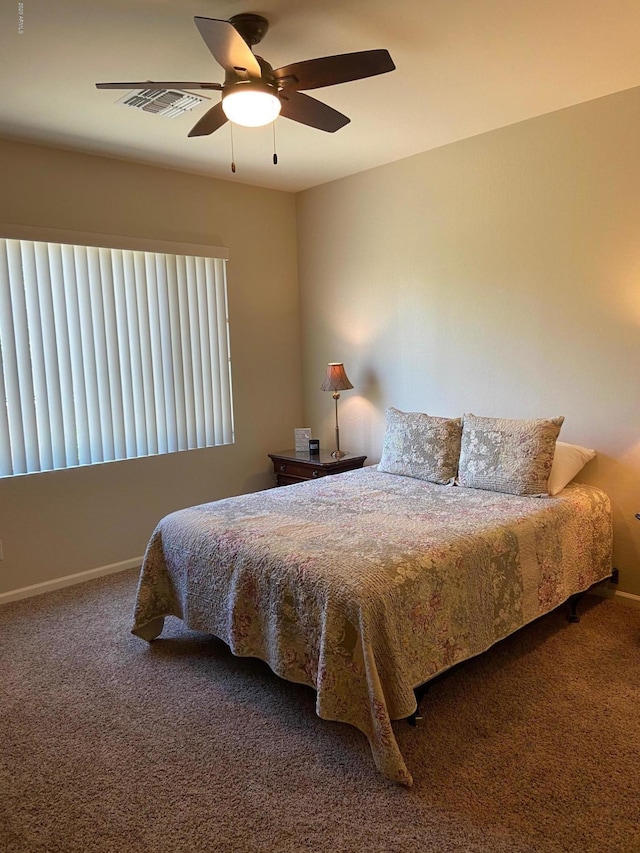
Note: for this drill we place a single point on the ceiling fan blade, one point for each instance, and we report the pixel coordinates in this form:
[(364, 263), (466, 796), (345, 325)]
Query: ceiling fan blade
[(153, 84), (307, 110), (210, 121), (329, 70), (227, 45)]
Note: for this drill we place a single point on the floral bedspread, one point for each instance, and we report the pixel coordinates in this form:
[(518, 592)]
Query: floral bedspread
[(366, 584)]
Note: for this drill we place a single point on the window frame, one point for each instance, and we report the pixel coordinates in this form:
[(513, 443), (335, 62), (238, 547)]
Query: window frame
[(89, 241)]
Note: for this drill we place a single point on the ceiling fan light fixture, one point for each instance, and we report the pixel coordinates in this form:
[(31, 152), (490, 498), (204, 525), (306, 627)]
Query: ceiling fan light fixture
[(253, 93), (251, 103)]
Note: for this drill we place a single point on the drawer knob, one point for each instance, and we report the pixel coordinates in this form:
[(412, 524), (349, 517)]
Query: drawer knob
[(283, 467), (314, 473)]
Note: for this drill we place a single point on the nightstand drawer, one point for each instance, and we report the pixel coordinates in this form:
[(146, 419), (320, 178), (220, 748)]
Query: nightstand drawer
[(295, 469)]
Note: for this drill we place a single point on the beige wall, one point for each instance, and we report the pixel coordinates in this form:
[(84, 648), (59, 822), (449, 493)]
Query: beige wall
[(500, 276), (59, 523)]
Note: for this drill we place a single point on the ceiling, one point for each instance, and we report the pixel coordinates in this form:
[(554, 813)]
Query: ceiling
[(463, 67)]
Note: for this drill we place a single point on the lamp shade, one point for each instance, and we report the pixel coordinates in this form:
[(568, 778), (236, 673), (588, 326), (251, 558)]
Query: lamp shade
[(336, 378)]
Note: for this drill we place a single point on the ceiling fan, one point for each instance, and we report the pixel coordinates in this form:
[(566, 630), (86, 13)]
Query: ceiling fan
[(253, 93)]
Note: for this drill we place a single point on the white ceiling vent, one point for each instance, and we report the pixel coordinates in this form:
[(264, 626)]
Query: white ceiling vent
[(162, 102)]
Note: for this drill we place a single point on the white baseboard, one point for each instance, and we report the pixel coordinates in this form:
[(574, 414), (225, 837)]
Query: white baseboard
[(68, 580), (623, 597)]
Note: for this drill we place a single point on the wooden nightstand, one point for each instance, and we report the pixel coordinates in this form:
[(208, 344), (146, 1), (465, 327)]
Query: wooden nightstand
[(291, 467)]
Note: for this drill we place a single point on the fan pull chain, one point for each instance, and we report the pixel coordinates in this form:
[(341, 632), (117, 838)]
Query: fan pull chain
[(233, 158), (275, 156)]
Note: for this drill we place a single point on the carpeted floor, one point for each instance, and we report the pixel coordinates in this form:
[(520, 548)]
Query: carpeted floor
[(110, 744)]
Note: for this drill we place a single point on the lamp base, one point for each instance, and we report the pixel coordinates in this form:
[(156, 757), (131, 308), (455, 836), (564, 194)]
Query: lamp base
[(338, 454)]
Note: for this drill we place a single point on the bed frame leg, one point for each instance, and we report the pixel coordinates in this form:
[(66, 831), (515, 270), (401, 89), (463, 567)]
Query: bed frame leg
[(573, 607), (572, 616), (420, 693)]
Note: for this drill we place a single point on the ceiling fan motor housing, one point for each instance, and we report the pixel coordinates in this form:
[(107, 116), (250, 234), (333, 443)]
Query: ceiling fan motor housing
[(241, 75), (253, 28)]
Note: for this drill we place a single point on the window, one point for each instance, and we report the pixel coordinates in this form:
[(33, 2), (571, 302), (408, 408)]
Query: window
[(109, 354)]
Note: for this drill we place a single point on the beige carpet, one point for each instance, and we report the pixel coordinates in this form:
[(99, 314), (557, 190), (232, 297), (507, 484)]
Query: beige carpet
[(109, 744)]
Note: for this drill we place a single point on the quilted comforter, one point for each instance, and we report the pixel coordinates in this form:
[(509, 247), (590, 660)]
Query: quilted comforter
[(364, 585)]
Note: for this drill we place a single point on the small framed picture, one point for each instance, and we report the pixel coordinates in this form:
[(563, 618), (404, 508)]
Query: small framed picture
[(314, 446), (302, 437)]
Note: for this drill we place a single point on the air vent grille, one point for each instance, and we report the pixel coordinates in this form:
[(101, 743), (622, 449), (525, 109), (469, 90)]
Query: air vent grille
[(162, 102)]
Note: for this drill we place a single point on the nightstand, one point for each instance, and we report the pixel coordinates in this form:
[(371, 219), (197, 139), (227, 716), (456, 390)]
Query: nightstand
[(291, 467)]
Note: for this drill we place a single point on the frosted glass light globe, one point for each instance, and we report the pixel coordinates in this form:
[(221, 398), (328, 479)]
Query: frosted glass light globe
[(251, 107)]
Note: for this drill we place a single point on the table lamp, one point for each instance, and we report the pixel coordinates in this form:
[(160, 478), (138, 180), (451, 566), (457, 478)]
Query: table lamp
[(336, 380)]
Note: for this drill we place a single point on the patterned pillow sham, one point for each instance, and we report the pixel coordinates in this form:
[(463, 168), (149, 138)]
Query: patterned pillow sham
[(508, 455), (421, 446)]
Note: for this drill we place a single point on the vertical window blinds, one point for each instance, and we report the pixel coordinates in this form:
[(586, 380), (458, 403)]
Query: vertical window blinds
[(109, 354)]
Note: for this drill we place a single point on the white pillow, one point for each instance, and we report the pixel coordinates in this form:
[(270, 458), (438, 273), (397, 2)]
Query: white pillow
[(568, 461)]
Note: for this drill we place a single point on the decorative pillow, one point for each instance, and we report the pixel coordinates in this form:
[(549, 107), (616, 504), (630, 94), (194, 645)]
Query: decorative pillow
[(568, 461), (505, 455), (421, 446)]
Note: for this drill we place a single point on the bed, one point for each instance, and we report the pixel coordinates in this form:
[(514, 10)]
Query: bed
[(367, 584)]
